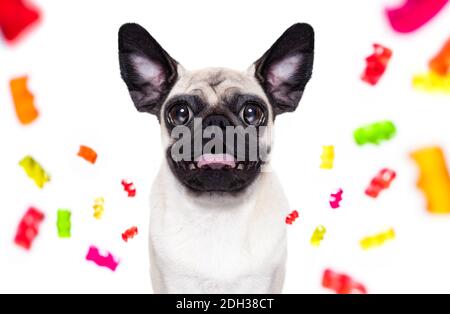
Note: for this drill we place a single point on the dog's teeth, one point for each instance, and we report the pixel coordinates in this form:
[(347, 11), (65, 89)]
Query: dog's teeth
[(192, 166), (240, 166)]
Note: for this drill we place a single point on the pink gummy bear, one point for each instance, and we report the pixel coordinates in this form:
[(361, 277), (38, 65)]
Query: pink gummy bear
[(336, 198), (414, 14), (107, 261)]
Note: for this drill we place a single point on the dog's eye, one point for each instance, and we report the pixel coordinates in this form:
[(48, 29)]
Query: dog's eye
[(252, 113), (180, 113)]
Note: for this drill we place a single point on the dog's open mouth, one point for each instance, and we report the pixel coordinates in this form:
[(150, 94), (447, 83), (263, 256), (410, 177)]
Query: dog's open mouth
[(217, 162), (216, 172)]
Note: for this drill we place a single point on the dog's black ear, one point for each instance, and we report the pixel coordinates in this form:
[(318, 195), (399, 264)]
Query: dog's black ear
[(286, 67), (146, 68)]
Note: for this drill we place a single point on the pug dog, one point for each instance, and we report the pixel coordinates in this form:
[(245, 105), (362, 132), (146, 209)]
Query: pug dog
[(217, 214)]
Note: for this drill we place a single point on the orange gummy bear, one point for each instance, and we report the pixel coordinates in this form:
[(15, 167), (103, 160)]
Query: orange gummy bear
[(434, 179), (23, 100), (440, 64), (88, 154)]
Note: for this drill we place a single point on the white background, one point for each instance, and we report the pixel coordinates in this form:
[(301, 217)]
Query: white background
[(71, 59)]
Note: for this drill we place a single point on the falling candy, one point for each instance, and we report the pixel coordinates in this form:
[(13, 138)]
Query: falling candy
[(432, 82), (376, 64), (440, 64), (16, 16), (375, 133), (327, 157), (23, 100), (434, 179), (377, 240), (291, 217), (128, 186), (35, 171), (129, 234), (413, 14), (336, 198), (99, 208), (28, 228), (108, 261), (87, 154), (63, 223), (341, 284), (381, 182), (318, 235), (438, 78)]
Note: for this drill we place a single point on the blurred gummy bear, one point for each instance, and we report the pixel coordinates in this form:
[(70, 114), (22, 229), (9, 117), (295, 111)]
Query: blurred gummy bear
[(16, 17)]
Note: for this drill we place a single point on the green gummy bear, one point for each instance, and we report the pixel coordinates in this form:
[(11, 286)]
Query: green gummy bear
[(63, 223), (375, 133)]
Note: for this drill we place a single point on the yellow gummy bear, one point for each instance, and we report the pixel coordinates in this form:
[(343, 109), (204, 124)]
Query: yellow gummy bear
[(318, 235), (432, 82), (35, 171), (327, 157), (99, 207), (377, 240)]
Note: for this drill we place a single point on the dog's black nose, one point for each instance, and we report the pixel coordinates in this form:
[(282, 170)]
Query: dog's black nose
[(216, 120)]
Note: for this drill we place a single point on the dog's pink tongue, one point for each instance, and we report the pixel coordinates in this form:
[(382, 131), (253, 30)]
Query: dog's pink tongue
[(216, 161)]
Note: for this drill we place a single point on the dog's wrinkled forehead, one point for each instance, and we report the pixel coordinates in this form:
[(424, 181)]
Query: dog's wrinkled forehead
[(213, 85)]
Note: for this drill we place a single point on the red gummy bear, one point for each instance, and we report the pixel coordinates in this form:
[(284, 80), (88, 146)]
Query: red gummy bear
[(129, 234), (16, 17), (129, 188), (341, 284), (291, 217), (28, 228), (381, 182), (376, 64)]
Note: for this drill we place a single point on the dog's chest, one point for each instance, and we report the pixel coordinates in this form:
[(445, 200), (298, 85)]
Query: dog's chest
[(215, 243), (214, 256), (217, 248)]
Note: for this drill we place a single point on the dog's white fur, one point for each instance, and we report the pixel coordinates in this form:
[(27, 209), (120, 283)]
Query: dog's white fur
[(217, 242)]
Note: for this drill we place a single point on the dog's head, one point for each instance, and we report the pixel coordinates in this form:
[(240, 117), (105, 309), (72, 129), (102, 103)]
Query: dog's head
[(216, 122)]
